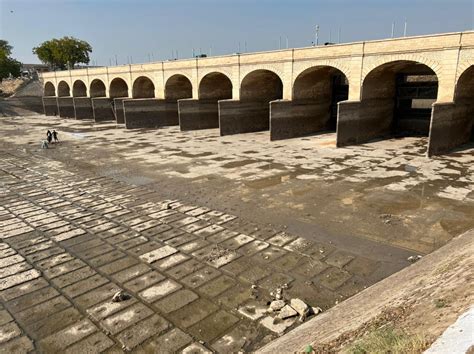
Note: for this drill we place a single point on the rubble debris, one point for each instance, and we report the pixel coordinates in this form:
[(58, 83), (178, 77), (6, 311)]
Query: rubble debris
[(287, 312), (277, 305), (300, 306), (120, 296), (413, 259)]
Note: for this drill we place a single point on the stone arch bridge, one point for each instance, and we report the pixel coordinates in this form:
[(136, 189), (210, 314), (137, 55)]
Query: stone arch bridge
[(366, 90)]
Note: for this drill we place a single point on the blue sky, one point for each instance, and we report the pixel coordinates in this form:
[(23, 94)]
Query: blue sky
[(146, 29)]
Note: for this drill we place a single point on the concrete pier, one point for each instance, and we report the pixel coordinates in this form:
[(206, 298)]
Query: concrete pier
[(50, 105), (237, 117), (198, 114), (83, 108), (118, 107), (103, 109), (66, 107), (291, 119), (150, 113)]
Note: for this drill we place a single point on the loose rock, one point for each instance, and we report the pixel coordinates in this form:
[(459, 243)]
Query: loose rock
[(120, 296), (300, 307), (413, 259), (277, 305), (287, 312)]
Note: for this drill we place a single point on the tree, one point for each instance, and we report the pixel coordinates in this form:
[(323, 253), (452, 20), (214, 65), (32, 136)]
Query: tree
[(63, 53), (8, 65)]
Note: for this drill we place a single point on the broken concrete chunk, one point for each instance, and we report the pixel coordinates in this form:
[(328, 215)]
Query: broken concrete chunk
[(316, 310), (277, 305), (287, 312), (413, 259), (300, 307), (120, 296)]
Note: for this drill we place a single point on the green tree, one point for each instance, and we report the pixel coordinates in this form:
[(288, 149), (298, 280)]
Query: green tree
[(63, 53), (8, 65)]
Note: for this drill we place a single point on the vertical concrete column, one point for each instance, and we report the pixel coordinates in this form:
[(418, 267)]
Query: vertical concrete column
[(50, 105), (236, 80), (287, 80), (160, 83), (195, 79)]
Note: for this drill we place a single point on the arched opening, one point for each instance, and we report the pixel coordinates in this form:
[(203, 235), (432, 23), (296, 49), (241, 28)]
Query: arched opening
[(97, 88), (317, 91), (464, 100), (79, 89), (178, 87), (398, 96), (49, 89), (143, 87), (118, 88), (215, 86), (63, 89), (261, 86)]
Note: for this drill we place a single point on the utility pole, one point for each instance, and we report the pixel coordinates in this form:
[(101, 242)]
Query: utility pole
[(330, 35), (279, 43), (116, 63), (393, 28), (316, 36), (339, 35), (405, 29), (238, 51), (286, 42), (245, 46)]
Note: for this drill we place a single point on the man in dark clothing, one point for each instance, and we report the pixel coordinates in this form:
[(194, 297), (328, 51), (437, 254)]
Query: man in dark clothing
[(55, 136), (49, 136)]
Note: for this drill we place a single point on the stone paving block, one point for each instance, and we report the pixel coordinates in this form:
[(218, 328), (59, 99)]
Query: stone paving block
[(126, 318), (275, 280), (254, 274), (105, 309), (130, 273), (38, 256), (236, 242), (216, 286), (193, 246), (97, 295), (269, 255), (54, 261), (221, 236), (200, 277), (146, 225), (185, 268), (31, 299), (308, 267), (8, 261), (96, 251), (253, 247), (9, 331), (237, 266), (193, 313), (23, 289), (235, 296), (83, 246), (106, 258), (7, 252), (170, 261), (361, 266), (171, 233), (85, 285), (281, 239), (176, 300), (53, 323), (5, 317), (97, 342), (19, 278), (339, 258), (195, 226), (208, 231), (18, 345), (277, 327), (211, 327), (13, 269), (332, 278), (147, 247), (68, 235), (239, 338), (35, 248), (125, 242), (170, 342), (144, 281), (287, 262), (159, 290), (42, 310), (196, 348), (79, 239), (63, 268), (157, 254), (133, 336), (118, 265), (73, 277)]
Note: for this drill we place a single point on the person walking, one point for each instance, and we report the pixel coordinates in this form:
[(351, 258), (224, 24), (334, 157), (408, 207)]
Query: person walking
[(55, 136), (49, 136)]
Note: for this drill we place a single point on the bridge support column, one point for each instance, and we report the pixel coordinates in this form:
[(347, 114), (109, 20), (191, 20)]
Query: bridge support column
[(451, 126), (237, 116), (83, 108), (66, 107), (50, 106), (103, 109), (359, 122), (198, 114), (150, 113), (291, 119), (118, 107)]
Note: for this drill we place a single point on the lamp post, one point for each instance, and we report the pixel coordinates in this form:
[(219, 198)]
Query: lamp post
[(316, 36)]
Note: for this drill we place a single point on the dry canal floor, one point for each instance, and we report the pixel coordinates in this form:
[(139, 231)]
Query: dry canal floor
[(187, 222)]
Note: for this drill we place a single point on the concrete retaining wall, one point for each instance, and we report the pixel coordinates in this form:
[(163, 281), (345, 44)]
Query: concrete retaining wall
[(102, 108), (118, 106), (50, 106), (150, 113), (198, 114), (451, 126), (28, 103), (359, 122), (83, 108), (290, 119), (66, 107), (243, 117)]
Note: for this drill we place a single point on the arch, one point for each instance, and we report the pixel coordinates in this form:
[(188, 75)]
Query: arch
[(261, 85), (49, 89), (464, 102), (118, 88), (177, 87), (143, 87), (319, 89), (401, 94), (464, 89), (215, 86), (63, 89), (97, 88), (79, 89)]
